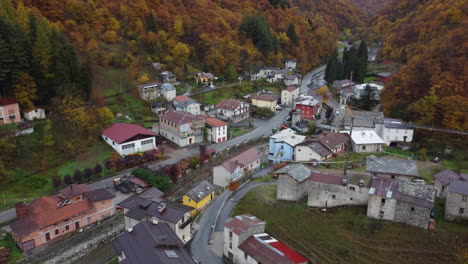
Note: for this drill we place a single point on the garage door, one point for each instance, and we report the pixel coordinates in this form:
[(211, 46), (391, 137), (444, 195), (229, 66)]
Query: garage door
[(28, 245), (146, 145), (128, 149)]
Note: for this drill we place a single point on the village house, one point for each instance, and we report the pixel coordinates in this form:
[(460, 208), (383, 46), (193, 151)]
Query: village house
[(158, 108), (216, 130), (128, 138), (167, 77), (363, 141), (205, 78), (443, 179), (151, 243), (404, 202), (341, 84), (312, 150), (186, 104), (308, 106), (168, 91), (399, 169), (298, 124), (335, 142), (181, 128), (396, 131), (292, 182), (149, 91), (233, 110), (268, 101), (292, 79), (9, 111), (246, 243), (51, 217), (149, 207), (37, 113), (289, 94), (199, 197), (290, 64), (363, 120), (384, 77), (281, 146), (360, 88), (456, 203), (236, 167), (236, 230), (330, 190)]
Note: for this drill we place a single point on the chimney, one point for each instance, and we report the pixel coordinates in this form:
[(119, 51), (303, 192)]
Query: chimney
[(21, 210)]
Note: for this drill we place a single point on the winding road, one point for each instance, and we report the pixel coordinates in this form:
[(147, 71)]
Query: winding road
[(221, 209)]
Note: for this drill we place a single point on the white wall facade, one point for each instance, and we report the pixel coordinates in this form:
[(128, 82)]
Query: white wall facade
[(169, 95), (124, 149), (222, 177), (287, 97), (363, 148), (331, 195), (35, 114), (289, 189), (305, 153), (453, 204), (217, 134), (149, 92), (378, 209), (397, 135)]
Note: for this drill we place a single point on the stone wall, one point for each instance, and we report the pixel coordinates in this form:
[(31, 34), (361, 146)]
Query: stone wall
[(412, 215), (331, 195), (79, 244), (453, 204)]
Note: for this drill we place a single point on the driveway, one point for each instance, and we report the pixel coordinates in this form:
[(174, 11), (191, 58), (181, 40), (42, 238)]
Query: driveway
[(222, 208), (263, 128)]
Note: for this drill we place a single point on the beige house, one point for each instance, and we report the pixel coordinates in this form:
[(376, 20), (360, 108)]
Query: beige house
[(9, 111), (236, 167), (311, 151), (456, 204), (292, 182), (290, 94), (268, 101)]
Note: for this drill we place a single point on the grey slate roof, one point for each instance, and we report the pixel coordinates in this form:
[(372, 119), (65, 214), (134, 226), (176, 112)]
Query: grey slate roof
[(392, 166), (298, 171), (99, 195), (200, 191), (397, 123), (446, 176), (361, 119), (149, 243), (318, 147), (408, 192), (460, 187)]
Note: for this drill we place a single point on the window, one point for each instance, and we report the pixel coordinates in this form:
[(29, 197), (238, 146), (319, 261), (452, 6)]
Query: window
[(333, 196), (67, 227), (462, 210), (383, 201), (145, 142), (103, 202), (464, 198), (89, 219), (47, 236), (56, 231), (381, 214), (245, 255), (363, 147), (230, 245), (282, 147), (351, 188), (351, 198), (392, 176), (128, 146), (412, 209)]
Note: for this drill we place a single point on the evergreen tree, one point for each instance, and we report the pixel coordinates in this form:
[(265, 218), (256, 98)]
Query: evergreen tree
[(292, 34), (256, 27), (331, 69), (366, 100), (151, 23), (361, 67)]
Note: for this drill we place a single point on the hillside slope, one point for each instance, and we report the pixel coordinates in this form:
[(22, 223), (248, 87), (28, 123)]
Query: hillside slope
[(371, 7), (430, 37)]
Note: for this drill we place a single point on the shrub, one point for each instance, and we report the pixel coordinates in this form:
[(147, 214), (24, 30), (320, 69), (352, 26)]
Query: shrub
[(56, 181), (97, 169), (78, 176), (88, 172), (67, 179)]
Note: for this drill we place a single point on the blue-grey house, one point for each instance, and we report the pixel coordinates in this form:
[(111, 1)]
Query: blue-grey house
[(282, 145)]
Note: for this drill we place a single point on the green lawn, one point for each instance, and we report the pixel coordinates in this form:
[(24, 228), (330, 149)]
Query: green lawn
[(9, 243), (216, 96), (239, 131), (8, 128), (346, 235), (370, 79)]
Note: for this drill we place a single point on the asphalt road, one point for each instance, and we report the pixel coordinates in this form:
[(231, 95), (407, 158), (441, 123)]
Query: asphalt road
[(311, 77), (222, 207), (262, 128)]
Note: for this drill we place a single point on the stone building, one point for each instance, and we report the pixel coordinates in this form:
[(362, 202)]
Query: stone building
[(292, 182), (456, 204), (443, 179), (330, 190), (401, 201), (181, 128), (149, 91), (399, 169)]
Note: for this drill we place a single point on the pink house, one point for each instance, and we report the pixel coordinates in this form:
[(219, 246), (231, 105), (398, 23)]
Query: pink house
[(9, 111)]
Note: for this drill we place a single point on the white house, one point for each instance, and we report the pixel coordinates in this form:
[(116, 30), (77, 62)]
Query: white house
[(366, 141), (216, 130), (291, 79), (289, 94), (233, 110), (186, 104), (359, 90), (128, 138), (236, 230), (290, 64), (396, 131), (236, 167), (37, 113), (281, 147), (168, 91)]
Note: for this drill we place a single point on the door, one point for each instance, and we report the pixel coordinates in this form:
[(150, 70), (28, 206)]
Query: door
[(146, 145), (77, 225), (404, 138), (47, 236), (128, 149)]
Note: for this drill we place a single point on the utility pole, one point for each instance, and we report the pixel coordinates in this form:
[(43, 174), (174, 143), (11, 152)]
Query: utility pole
[(351, 115), (4, 201)]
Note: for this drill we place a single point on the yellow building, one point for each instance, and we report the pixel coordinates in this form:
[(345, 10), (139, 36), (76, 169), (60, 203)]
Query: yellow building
[(199, 196), (269, 101)]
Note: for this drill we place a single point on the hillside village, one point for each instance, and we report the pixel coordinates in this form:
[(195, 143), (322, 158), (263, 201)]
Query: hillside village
[(192, 173)]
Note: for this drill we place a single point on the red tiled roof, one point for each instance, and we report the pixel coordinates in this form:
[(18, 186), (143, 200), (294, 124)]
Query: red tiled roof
[(326, 178), (45, 211), (243, 159), (264, 97), (180, 117), (138, 181), (215, 122), (181, 98), (7, 101), (120, 132), (228, 104), (74, 190), (291, 88), (266, 249), (241, 223)]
